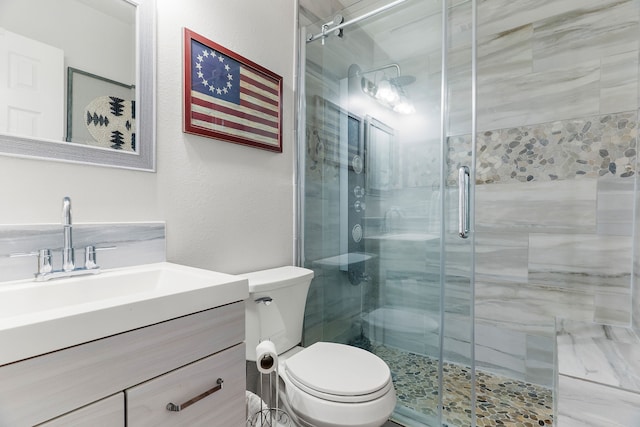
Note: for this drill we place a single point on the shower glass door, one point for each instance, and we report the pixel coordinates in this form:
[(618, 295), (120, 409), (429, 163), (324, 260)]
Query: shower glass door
[(380, 196)]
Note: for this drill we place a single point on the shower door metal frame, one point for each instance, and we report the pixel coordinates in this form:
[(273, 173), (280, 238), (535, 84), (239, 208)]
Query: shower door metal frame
[(326, 29)]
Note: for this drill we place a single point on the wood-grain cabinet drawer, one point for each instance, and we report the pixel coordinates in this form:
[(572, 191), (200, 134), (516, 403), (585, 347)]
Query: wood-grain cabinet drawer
[(38, 389), (108, 412), (147, 402)]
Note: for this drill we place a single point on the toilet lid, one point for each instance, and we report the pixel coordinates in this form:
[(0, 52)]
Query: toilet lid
[(339, 372)]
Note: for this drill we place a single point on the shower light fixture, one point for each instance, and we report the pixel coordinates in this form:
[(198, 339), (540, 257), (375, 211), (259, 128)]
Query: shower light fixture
[(404, 106), (388, 91)]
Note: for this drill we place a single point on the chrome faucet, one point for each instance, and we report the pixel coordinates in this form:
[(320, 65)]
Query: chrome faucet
[(68, 259), (45, 267)]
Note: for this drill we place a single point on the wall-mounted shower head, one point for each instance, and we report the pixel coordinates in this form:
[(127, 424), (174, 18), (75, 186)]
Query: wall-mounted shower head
[(386, 90), (398, 80), (402, 80)]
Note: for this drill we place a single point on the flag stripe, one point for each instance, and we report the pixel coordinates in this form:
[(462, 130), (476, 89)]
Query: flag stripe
[(234, 132), (208, 124), (240, 114), (248, 101), (209, 117), (268, 113), (267, 90), (219, 119), (271, 85), (259, 108), (247, 125), (247, 90)]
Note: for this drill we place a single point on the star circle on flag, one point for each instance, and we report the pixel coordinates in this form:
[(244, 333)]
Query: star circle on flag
[(210, 84)]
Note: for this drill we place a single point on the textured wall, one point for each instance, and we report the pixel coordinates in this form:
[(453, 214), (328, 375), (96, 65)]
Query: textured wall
[(227, 207)]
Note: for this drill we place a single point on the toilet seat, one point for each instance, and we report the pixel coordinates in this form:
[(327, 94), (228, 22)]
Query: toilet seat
[(339, 373)]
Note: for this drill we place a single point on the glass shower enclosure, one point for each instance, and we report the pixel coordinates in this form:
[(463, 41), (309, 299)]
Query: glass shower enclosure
[(385, 210)]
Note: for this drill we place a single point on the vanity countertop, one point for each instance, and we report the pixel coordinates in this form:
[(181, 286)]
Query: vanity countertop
[(41, 317)]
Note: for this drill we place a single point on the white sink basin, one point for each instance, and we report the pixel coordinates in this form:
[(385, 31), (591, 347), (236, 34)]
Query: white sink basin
[(39, 317)]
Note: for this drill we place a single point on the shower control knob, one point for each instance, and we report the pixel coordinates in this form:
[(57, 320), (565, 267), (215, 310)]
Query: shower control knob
[(356, 233), (357, 164)]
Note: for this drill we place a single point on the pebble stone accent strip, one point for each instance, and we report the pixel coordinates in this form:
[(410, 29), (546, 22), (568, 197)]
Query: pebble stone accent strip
[(588, 147), (501, 401)]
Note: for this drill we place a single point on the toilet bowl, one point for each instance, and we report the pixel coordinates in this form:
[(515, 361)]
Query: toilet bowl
[(325, 384), (329, 384)]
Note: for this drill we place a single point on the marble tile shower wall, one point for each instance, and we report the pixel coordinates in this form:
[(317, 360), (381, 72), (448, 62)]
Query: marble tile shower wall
[(556, 167), (540, 61)]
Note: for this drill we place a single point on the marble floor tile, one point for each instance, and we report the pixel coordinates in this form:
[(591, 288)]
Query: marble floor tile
[(607, 355), (586, 404)]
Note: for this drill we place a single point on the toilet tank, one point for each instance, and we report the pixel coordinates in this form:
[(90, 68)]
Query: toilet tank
[(275, 308)]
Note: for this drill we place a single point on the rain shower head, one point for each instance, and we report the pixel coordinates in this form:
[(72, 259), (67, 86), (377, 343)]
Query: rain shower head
[(387, 91), (398, 80), (403, 80)]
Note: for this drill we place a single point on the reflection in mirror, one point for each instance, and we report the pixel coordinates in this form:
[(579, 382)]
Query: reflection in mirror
[(380, 155), (70, 86)]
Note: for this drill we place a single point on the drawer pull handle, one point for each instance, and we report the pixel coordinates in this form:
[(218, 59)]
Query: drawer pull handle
[(177, 408)]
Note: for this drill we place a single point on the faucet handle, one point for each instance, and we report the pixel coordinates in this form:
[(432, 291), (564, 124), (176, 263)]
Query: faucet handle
[(44, 259), (90, 255)]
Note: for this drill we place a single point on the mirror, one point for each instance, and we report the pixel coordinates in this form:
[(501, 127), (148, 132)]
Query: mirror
[(380, 156), (77, 81)]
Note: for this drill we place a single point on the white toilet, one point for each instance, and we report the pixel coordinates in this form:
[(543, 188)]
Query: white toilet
[(325, 384)]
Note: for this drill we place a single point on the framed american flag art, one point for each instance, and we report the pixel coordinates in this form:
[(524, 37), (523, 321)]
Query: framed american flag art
[(229, 97)]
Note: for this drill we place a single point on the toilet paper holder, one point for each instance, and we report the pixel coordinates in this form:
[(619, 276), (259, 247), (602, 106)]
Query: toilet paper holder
[(267, 365), (266, 357), (267, 415)]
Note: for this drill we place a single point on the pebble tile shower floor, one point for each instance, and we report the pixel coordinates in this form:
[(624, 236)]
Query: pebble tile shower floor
[(501, 401)]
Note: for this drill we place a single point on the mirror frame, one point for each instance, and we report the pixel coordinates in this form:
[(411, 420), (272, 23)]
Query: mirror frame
[(145, 158)]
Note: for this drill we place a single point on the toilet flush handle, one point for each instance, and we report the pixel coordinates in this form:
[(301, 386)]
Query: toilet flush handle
[(264, 300)]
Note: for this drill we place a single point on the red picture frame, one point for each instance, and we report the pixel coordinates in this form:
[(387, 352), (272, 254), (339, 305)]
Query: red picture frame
[(229, 97)]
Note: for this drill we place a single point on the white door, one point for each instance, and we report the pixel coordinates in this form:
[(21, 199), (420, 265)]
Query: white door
[(31, 87)]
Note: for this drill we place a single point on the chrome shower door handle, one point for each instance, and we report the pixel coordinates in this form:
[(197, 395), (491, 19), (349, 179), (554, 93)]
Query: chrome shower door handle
[(463, 201)]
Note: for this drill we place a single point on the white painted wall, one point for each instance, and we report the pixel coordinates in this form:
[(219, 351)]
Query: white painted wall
[(227, 207)]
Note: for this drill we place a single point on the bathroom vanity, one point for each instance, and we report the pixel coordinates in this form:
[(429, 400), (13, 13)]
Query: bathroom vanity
[(185, 370)]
